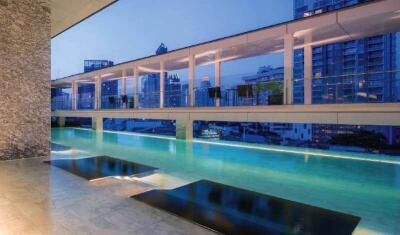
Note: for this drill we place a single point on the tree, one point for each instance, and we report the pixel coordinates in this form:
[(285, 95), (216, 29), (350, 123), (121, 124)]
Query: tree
[(274, 89)]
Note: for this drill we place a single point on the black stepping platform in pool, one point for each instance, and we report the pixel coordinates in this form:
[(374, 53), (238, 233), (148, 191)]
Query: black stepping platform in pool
[(231, 210), (99, 167)]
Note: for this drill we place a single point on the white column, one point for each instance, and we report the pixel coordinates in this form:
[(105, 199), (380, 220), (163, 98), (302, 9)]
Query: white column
[(97, 123), (308, 70), (61, 121), (217, 76), (192, 77), (123, 88), (288, 69), (74, 95), (97, 92), (162, 79), (136, 87), (123, 82), (184, 129)]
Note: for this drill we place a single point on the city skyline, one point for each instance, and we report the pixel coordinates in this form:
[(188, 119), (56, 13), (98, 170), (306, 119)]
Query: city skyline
[(250, 67)]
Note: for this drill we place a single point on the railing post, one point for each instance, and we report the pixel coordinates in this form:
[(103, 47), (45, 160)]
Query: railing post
[(192, 77), (308, 70), (162, 79), (136, 87), (217, 75), (288, 69)]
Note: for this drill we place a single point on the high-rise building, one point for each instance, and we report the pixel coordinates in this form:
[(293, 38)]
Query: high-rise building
[(86, 92), (265, 74), (162, 49), (347, 72), (201, 93), (86, 96), (92, 65), (173, 91), (150, 95)]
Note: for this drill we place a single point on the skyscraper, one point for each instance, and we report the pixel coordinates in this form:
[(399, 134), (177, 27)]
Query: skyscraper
[(92, 65), (150, 95), (86, 92), (347, 72), (173, 91), (201, 93), (265, 74)]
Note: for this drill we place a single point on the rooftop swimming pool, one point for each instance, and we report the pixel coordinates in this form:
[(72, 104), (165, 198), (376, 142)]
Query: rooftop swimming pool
[(364, 185)]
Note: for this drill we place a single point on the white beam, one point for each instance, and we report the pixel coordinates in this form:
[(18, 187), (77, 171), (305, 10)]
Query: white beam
[(348, 114)]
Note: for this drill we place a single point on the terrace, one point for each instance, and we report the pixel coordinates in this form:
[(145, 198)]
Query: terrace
[(173, 143)]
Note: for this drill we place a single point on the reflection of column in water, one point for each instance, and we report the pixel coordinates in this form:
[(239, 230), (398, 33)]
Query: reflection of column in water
[(183, 147), (99, 139), (172, 147), (306, 156)]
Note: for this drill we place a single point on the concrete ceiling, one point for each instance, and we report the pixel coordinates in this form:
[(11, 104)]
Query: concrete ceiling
[(67, 13)]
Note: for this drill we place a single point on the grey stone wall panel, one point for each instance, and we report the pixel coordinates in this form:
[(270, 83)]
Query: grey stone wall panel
[(24, 79)]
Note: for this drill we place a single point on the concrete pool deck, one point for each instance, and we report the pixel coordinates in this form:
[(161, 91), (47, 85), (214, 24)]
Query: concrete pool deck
[(36, 198)]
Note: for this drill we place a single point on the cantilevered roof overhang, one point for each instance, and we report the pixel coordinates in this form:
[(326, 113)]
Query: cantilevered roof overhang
[(67, 13), (363, 20)]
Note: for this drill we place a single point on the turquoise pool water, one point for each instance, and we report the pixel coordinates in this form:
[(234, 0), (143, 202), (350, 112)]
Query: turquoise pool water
[(364, 185)]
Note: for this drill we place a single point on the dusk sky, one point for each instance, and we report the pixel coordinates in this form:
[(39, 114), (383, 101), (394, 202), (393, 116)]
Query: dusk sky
[(131, 29)]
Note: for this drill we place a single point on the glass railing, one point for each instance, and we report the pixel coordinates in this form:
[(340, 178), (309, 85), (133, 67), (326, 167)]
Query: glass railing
[(176, 98), (117, 102), (61, 103), (252, 94), (86, 101), (370, 87), (172, 99), (202, 98), (259, 93), (150, 99)]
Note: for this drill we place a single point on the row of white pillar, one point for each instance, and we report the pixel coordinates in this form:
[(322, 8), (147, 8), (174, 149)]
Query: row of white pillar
[(288, 77)]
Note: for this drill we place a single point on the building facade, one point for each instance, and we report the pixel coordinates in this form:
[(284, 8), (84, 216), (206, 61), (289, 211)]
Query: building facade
[(92, 65), (174, 95), (347, 72)]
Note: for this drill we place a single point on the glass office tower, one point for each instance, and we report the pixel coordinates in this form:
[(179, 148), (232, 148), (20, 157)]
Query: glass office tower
[(348, 72)]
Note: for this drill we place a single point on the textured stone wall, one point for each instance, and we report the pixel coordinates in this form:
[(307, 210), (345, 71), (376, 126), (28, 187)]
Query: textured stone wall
[(24, 78)]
